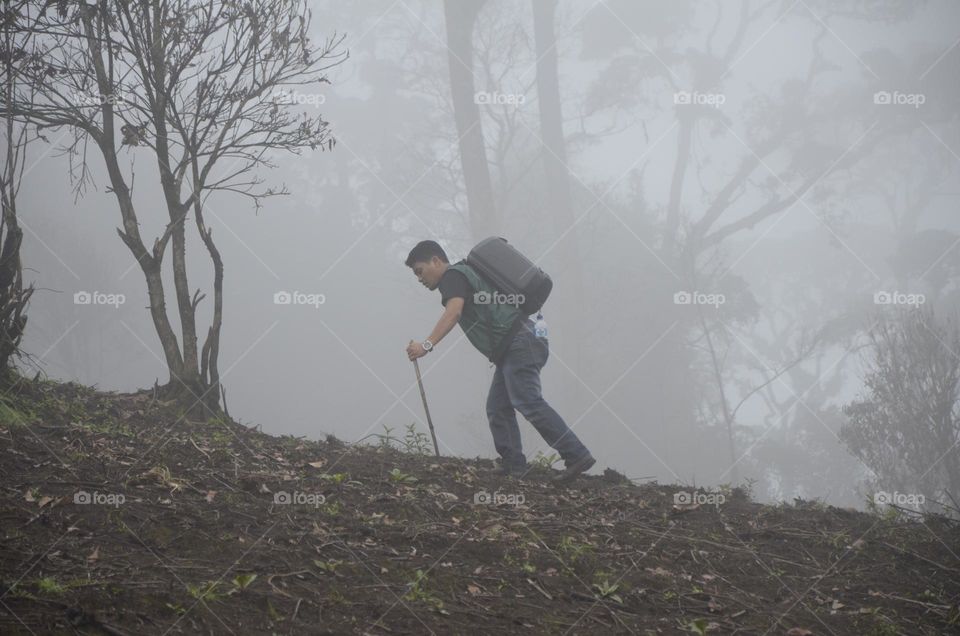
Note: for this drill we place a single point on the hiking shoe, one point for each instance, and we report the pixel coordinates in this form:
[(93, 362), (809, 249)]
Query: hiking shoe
[(578, 466)]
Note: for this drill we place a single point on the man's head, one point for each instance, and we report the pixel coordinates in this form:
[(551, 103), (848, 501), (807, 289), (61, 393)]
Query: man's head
[(428, 262)]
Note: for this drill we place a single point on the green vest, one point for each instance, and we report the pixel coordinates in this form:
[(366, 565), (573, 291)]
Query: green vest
[(488, 325)]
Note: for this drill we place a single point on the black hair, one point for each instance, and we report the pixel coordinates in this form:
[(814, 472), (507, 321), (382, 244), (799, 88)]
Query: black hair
[(424, 251)]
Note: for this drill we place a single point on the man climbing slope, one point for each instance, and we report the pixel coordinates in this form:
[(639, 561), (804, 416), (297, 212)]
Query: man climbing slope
[(501, 332)]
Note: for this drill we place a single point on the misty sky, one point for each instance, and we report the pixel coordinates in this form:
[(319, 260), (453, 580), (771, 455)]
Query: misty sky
[(637, 385)]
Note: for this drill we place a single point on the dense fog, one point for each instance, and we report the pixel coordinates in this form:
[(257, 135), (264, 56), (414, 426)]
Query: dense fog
[(748, 210)]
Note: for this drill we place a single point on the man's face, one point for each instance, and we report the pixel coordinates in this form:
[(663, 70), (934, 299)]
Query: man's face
[(429, 273)]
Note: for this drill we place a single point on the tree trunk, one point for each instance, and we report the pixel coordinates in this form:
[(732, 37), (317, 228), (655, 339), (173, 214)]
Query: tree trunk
[(727, 415), (13, 298), (551, 118), (672, 238), (209, 356), (177, 211), (130, 234), (558, 198), (188, 328), (149, 263), (460, 17)]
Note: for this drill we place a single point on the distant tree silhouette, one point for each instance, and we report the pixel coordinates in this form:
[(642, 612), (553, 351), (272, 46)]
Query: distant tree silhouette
[(907, 427)]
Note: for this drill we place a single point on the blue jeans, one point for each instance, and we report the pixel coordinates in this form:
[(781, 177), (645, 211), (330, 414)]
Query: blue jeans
[(516, 387)]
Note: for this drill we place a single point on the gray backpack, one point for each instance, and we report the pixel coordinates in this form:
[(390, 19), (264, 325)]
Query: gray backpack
[(504, 267)]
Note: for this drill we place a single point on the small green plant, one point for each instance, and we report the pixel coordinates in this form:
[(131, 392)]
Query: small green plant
[(328, 566), (881, 626), (569, 547), (177, 607), (162, 474), (336, 478), (273, 613), (839, 539), (218, 420), (416, 591), (204, 592), (50, 585), (954, 617), (385, 438), (605, 589), (243, 581), (698, 626), (529, 568), (413, 440), (332, 509), (545, 461), (416, 442), (73, 410), (10, 416), (399, 477), (221, 437)]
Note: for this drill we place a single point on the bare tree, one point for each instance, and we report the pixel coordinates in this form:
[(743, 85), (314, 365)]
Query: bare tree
[(795, 130), (907, 427), (17, 137), (198, 86), (801, 410)]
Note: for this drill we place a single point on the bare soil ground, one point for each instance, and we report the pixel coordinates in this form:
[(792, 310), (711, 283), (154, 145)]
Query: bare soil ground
[(120, 516)]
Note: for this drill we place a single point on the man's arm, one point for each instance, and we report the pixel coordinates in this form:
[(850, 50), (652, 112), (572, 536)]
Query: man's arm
[(451, 314)]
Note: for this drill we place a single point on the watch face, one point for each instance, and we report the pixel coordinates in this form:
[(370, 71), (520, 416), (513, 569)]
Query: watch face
[(427, 345)]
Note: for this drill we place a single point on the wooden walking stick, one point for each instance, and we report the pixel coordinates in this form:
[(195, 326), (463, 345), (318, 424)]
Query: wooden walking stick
[(436, 449)]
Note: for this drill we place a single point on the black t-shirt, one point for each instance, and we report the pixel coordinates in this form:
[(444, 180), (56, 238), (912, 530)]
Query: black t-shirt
[(454, 284)]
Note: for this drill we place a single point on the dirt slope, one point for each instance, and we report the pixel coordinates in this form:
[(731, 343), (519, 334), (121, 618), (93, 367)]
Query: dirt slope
[(121, 517)]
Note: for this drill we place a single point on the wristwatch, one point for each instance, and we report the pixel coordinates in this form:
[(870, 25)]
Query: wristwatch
[(427, 345)]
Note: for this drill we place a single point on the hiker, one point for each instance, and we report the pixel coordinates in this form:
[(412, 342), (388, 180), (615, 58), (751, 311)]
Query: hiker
[(503, 333)]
